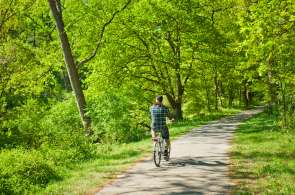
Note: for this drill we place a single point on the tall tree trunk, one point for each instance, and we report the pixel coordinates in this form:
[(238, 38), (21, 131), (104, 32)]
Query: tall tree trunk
[(178, 111), (271, 86), (56, 11), (220, 92), (230, 99), (208, 98), (179, 91), (176, 105), (231, 95), (216, 91), (246, 95), (240, 95), (285, 109)]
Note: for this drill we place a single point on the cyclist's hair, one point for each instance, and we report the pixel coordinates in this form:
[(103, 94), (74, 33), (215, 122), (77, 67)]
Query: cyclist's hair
[(159, 98)]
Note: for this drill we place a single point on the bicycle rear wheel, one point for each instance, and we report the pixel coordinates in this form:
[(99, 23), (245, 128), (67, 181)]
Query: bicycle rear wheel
[(157, 154)]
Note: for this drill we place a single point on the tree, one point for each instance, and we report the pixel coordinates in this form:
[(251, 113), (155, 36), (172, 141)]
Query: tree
[(159, 46), (56, 10), (267, 27)]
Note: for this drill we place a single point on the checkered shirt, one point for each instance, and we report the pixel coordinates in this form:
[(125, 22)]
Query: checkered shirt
[(158, 115)]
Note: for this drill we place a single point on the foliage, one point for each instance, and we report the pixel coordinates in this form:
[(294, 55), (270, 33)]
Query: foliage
[(22, 126), (267, 27), (114, 119), (22, 170), (203, 56)]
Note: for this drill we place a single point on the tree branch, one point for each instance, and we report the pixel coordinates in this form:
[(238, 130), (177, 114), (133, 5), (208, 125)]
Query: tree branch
[(151, 90), (146, 78), (169, 80), (161, 76), (6, 18), (102, 34), (172, 45)]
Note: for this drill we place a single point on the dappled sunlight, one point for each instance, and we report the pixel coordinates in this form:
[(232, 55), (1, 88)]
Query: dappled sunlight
[(199, 164)]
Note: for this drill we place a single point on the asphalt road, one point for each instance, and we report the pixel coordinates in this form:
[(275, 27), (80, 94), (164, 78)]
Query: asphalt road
[(198, 165)]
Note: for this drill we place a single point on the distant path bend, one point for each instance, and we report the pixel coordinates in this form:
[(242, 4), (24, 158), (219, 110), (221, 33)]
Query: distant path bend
[(199, 164)]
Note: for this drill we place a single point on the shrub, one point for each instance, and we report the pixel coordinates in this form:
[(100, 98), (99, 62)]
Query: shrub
[(23, 125), (60, 123), (63, 136), (112, 118), (21, 170)]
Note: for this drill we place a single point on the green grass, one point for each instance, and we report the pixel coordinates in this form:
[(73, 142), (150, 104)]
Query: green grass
[(263, 157), (87, 177)]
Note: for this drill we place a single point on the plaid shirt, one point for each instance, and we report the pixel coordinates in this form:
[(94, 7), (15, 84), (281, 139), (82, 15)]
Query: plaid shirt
[(159, 114)]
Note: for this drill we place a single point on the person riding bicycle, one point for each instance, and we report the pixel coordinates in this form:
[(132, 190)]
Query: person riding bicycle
[(159, 113)]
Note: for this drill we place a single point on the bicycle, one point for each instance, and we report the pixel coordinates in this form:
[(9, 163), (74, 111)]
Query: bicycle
[(158, 150)]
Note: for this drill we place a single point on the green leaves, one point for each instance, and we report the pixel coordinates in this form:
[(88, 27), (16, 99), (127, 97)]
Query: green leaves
[(115, 118), (267, 31)]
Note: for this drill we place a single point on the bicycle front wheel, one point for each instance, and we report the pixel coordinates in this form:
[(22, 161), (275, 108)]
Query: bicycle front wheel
[(157, 154)]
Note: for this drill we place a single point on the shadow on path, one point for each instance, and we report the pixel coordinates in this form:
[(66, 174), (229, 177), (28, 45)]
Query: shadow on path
[(198, 165)]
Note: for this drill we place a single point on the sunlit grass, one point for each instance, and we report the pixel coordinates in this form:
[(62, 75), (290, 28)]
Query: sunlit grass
[(263, 157), (111, 160)]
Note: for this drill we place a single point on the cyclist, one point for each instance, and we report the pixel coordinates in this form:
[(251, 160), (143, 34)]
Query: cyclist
[(159, 113)]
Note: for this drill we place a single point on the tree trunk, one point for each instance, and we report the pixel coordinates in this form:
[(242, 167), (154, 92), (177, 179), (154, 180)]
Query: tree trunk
[(216, 91), (220, 92), (230, 100), (178, 111), (271, 86), (285, 109), (176, 105), (231, 95), (240, 95), (70, 63), (208, 99), (246, 95), (179, 91)]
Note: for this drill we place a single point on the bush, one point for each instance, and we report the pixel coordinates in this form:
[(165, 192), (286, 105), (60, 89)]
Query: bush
[(21, 170), (63, 136), (59, 128), (112, 118), (61, 124), (22, 125), (68, 155)]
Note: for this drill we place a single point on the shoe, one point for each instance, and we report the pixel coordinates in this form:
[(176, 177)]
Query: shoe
[(166, 153)]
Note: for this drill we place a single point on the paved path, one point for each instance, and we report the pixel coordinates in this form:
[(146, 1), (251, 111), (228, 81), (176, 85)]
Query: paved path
[(199, 164)]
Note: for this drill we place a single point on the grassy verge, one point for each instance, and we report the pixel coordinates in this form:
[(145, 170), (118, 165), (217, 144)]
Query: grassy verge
[(87, 177), (263, 157)]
